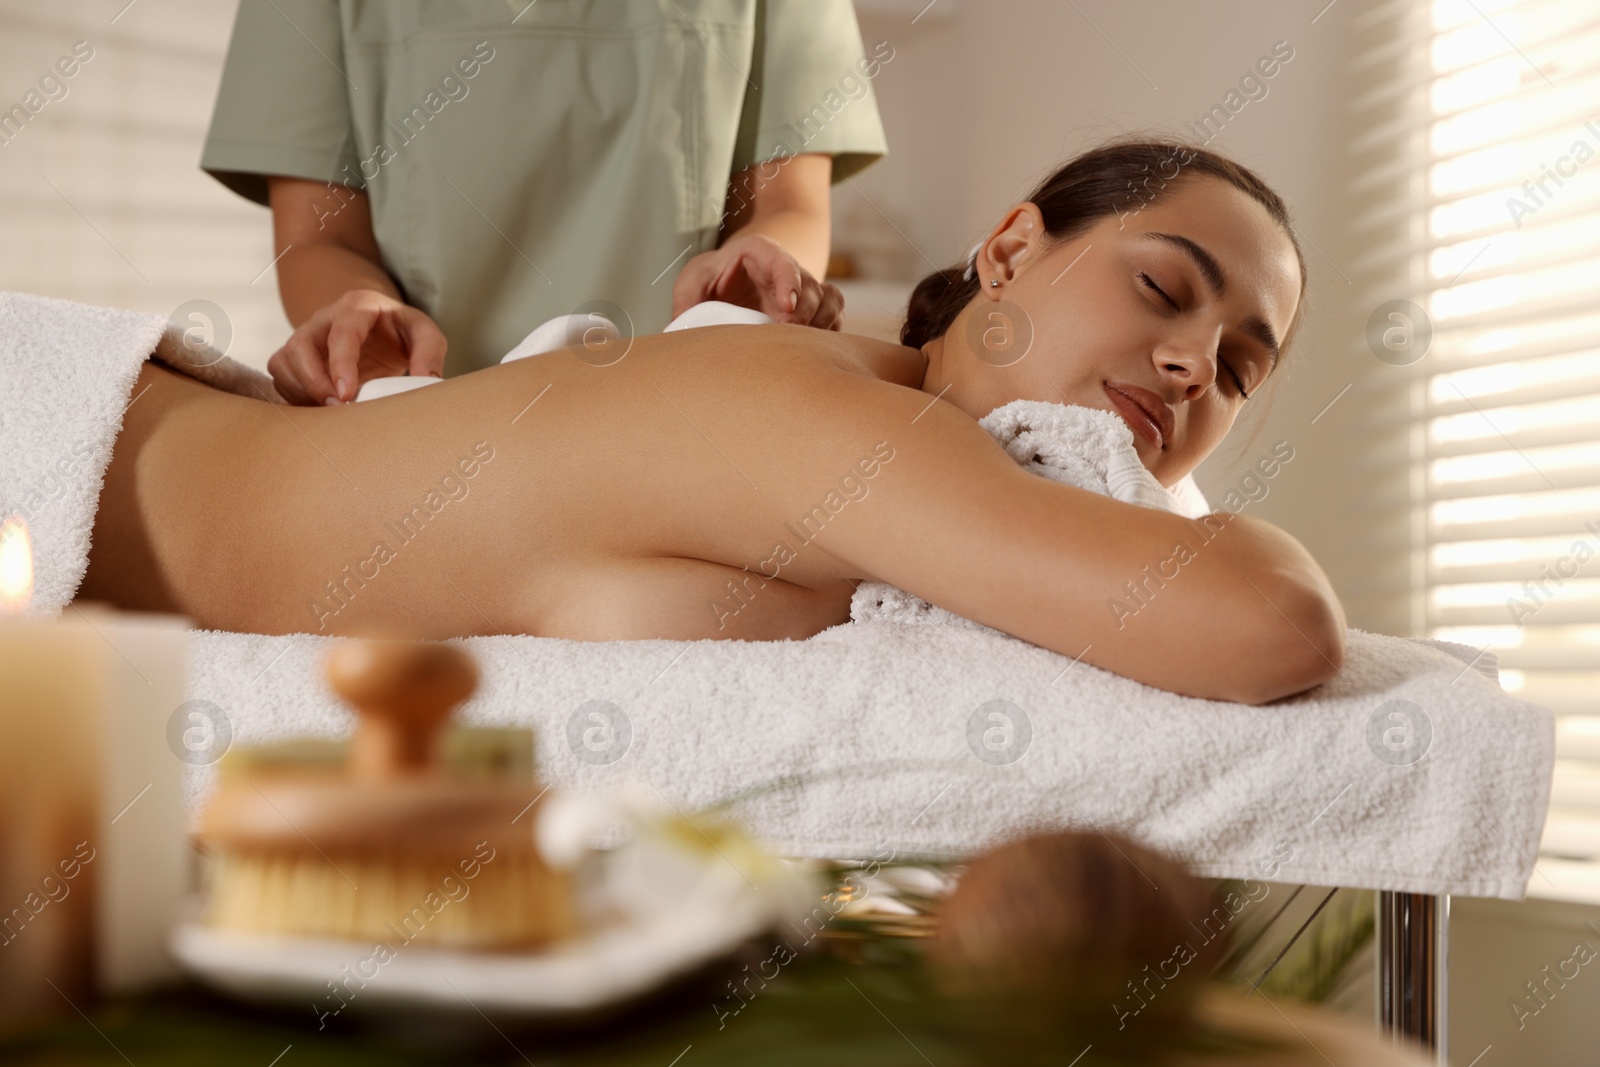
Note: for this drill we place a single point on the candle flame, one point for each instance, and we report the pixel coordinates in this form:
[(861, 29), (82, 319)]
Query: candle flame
[(16, 565)]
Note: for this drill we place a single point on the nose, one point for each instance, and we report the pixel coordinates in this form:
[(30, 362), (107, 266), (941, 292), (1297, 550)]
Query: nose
[(1188, 366)]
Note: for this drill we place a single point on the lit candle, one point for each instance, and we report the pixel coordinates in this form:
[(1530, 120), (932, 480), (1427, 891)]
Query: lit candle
[(95, 695)]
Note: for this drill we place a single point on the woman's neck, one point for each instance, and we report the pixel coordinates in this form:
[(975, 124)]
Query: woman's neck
[(933, 379)]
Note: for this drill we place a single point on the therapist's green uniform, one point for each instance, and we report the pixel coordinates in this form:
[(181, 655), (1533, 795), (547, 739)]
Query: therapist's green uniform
[(527, 160)]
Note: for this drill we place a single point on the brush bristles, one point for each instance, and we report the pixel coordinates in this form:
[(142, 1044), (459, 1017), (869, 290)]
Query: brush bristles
[(510, 903)]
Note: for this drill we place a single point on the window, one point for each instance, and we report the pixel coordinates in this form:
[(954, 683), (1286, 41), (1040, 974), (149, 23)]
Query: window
[(1482, 122)]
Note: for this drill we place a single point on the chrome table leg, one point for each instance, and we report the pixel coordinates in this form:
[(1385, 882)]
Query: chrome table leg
[(1412, 955)]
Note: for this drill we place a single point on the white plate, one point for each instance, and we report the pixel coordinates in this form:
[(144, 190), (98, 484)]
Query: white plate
[(579, 976)]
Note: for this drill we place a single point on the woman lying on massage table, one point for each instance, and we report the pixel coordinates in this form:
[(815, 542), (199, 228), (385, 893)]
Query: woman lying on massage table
[(739, 481)]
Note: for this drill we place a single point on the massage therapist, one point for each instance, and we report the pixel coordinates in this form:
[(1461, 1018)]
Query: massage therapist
[(467, 169)]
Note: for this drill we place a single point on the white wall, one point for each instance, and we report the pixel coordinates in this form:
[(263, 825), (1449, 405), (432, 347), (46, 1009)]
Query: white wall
[(1497, 948), (982, 102), (101, 193)]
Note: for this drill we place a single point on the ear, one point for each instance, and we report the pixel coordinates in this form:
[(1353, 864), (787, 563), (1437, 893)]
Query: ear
[(1010, 245)]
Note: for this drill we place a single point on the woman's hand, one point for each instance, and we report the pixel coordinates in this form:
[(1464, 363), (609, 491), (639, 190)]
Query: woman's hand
[(754, 271), (362, 335)]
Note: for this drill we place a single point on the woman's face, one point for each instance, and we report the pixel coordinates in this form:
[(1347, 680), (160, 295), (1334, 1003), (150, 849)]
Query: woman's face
[(1158, 315)]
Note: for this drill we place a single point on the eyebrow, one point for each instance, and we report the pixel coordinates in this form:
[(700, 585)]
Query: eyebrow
[(1217, 281)]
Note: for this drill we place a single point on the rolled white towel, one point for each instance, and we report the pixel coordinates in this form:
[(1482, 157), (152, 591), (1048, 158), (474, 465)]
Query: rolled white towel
[(392, 386), (567, 331), (564, 331), (717, 313)]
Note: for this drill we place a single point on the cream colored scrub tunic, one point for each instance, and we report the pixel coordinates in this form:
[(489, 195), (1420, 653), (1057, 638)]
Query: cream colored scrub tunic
[(529, 160)]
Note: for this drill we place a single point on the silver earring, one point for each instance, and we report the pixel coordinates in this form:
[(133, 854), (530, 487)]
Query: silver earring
[(994, 283)]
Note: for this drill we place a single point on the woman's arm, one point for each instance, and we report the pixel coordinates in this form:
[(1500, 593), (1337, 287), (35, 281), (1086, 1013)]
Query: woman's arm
[(326, 246), (350, 321), (787, 200), (774, 245), (1228, 608)]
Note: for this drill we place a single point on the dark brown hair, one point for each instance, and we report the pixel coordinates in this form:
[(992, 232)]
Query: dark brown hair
[(1119, 177)]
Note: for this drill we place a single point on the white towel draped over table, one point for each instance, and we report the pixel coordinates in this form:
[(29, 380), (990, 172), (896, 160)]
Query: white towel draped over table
[(1233, 789), (912, 732)]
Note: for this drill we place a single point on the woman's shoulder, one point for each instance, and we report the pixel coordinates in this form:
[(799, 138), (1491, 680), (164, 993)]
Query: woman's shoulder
[(884, 360)]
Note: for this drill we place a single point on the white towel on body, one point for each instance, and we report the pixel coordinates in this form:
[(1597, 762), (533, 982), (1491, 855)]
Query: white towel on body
[(66, 375)]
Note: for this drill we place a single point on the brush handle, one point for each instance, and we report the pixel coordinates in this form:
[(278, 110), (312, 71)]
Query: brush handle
[(403, 692)]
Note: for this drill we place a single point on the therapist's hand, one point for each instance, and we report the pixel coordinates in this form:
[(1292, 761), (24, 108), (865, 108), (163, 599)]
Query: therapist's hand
[(362, 335), (754, 271)]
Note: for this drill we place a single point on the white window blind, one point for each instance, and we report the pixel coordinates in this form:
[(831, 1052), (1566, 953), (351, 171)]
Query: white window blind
[(1478, 162)]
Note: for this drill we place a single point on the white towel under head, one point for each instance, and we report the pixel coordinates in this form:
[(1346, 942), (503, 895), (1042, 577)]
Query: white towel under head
[(1089, 448)]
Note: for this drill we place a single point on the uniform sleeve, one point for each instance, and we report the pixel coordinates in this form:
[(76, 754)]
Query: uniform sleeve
[(813, 87), (283, 106)]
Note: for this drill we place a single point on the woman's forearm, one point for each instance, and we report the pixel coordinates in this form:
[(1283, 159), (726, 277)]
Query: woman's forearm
[(311, 276), (325, 244), (803, 235), (785, 199)]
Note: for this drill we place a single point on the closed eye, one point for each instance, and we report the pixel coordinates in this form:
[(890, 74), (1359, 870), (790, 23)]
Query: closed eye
[(1146, 279), (1237, 381)]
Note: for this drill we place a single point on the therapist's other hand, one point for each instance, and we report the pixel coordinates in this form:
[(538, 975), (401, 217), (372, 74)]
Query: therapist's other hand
[(362, 335), (754, 271)]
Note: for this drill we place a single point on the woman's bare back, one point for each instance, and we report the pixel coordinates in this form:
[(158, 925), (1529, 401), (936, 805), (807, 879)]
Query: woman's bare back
[(656, 496)]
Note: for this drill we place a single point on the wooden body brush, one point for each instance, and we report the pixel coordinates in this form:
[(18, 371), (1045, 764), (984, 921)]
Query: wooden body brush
[(390, 848)]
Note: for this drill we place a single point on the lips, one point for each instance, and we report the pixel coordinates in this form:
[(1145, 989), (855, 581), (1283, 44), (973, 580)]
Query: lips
[(1145, 412)]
